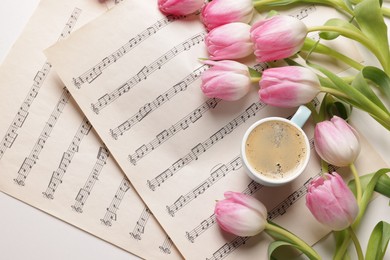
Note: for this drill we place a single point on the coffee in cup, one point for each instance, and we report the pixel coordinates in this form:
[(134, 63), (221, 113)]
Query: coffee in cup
[(276, 150)]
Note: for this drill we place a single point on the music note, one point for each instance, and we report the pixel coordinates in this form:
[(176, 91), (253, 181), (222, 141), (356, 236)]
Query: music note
[(144, 73)]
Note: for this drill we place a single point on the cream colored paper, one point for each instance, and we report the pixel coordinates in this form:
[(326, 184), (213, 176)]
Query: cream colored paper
[(139, 86), (51, 157)]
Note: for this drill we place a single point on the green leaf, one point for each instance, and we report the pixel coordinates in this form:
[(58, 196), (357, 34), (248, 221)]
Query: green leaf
[(283, 237), (360, 84), (339, 23), (379, 77), (312, 46), (367, 194), (254, 73), (369, 17), (332, 107), (340, 237), (338, 4), (355, 97), (277, 244), (382, 184), (378, 241)]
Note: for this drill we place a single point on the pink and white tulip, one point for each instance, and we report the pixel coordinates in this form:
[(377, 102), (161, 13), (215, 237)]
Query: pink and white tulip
[(180, 7), (336, 142), (241, 214), (229, 42), (227, 80), (331, 202), (219, 12), (289, 86), (278, 37)]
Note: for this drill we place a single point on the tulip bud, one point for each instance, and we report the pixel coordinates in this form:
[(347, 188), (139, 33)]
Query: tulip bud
[(228, 80), (180, 7), (241, 214), (336, 142), (229, 41), (331, 202), (289, 86), (278, 37), (219, 12)]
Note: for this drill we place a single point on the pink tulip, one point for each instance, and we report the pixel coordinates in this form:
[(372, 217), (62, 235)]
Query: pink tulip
[(289, 86), (228, 80), (278, 37), (229, 41), (241, 214), (180, 7), (331, 202), (336, 142), (219, 12)]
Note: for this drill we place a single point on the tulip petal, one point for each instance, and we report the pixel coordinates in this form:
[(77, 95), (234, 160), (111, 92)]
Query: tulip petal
[(240, 214), (331, 202), (336, 142)]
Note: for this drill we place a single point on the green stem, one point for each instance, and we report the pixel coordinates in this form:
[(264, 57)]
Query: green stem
[(343, 248), (357, 244), (324, 167), (334, 92), (314, 113), (316, 47), (345, 59), (355, 36), (357, 183), (386, 11), (337, 4), (294, 239), (255, 79)]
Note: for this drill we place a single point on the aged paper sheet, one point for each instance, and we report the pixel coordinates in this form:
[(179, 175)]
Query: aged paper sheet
[(137, 81), (51, 157)]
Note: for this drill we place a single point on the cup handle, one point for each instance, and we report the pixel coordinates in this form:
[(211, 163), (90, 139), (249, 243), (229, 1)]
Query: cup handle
[(300, 117)]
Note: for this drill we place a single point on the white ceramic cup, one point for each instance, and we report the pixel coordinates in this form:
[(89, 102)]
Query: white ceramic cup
[(297, 121)]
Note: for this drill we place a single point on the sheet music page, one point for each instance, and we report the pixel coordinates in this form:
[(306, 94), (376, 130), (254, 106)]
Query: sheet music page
[(139, 86), (51, 157)]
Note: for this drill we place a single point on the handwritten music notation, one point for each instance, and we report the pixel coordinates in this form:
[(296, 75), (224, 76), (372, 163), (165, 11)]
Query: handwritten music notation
[(304, 12), (111, 214), (202, 147), (38, 81), (66, 159), (84, 192), (157, 102), (251, 189), (164, 135), (166, 246), (146, 71), (33, 157), (139, 228), (215, 176), (91, 74)]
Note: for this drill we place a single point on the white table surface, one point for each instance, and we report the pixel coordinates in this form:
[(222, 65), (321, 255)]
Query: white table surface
[(28, 233)]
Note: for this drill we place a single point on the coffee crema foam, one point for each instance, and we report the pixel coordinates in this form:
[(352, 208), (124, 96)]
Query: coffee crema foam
[(275, 149)]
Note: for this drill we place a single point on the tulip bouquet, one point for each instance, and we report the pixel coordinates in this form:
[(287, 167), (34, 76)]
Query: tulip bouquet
[(295, 80)]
